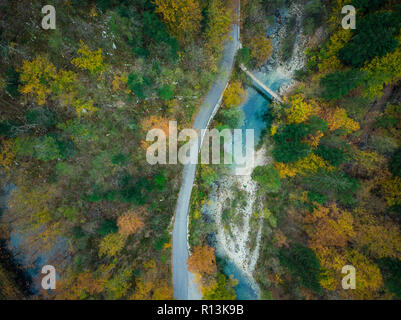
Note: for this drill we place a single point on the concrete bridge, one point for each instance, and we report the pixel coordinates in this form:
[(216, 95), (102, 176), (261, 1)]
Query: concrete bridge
[(274, 95)]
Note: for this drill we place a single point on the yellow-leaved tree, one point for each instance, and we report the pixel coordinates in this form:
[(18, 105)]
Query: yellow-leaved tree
[(234, 94), (368, 280), (37, 76), (337, 118), (261, 49), (111, 245), (300, 110), (89, 60), (218, 25), (7, 153), (182, 17), (337, 41), (41, 79), (383, 71)]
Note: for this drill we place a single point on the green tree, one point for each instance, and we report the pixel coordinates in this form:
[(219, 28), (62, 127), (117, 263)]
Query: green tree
[(287, 143), (391, 271), (139, 85), (107, 226), (222, 290), (166, 92), (302, 265), (338, 84), (267, 177), (395, 163), (373, 37), (334, 156)]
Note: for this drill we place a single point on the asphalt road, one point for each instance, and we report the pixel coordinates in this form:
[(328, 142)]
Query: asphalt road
[(210, 105)]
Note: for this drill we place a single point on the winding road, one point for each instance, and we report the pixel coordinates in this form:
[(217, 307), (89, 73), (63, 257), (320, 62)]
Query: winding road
[(183, 280)]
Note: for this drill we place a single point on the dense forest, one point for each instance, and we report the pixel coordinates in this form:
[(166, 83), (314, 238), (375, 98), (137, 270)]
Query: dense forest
[(331, 195), (334, 187), (76, 104)]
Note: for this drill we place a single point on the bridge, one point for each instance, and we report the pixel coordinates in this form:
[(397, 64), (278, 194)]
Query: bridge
[(274, 95)]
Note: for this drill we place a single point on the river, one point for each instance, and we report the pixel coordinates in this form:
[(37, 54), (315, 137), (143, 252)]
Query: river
[(233, 250)]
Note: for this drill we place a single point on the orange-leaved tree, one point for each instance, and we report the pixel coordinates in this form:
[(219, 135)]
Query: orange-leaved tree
[(202, 260), (129, 223)]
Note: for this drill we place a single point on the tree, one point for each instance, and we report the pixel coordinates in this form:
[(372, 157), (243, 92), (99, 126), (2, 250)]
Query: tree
[(222, 289), (80, 286), (367, 5), (337, 41), (391, 271), (313, 16), (164, 292), (231, 117), (395, 163), (331, 181), (234, 94), (218, 24), (332, 261), (379, 239), (182, 17), (89, 60), (129, 223), (391, 189), (111, 245), (337, 118), (107, 227), (334, 156), (299, 110), (36, 76), (338, 84), (267, 177), (261, 49), (7, 153), (382, 71), (369, 278), (373, 37), (202, 260), (329, 226), (310, 164), (302, 265), (244, 56), (12, 82), (166, 92), (287, 143), (140, 85)]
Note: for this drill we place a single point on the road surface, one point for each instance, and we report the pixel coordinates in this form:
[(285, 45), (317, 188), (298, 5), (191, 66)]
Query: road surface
[(182, 280)]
